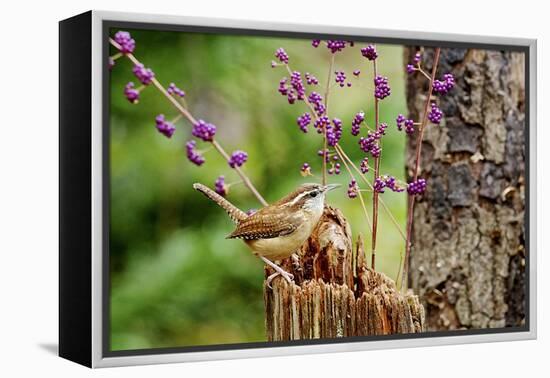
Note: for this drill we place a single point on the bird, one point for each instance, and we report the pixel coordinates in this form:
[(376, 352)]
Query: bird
[(276, 231)]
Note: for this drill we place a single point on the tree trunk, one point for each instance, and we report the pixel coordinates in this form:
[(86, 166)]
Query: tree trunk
[(468, 256), (334, 294)]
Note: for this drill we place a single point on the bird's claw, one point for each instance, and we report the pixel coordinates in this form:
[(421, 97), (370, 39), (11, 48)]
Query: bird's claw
[(289, 277)]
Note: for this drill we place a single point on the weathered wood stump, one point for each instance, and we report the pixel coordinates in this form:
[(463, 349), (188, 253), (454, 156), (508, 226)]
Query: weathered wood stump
[(334, 293)]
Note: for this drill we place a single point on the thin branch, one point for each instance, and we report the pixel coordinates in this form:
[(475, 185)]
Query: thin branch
[(362, 176), (376, 174), (410, 214), (192, 120)]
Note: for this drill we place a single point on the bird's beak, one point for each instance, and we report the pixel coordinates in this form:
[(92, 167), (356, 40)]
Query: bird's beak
[(328, 187)]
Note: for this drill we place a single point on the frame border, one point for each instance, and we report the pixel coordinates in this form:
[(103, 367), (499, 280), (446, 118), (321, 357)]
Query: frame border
[(102, 357)]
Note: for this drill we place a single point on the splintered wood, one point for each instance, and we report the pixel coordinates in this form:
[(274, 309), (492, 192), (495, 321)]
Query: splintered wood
[(334, 293)]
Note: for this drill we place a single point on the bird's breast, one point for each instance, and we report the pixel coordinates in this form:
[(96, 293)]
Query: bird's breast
[(283, 246)]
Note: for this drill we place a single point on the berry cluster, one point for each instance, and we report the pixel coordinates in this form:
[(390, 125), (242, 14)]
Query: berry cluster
[(335, 45), (298, 85), (334, 132), (353, 190), (334, 170), (305, 170), (356, 123), (435, 114), (192, 154), (294, 91), (324, 154), (317, 101), (145, 75), (131, 93), (369, 52), (364, 165), (381, 87), (386, 182), (310, 79), (303, 121), (321, 124), (379, 185), (409, 126), (415, 63), (399, 121), (220, 187), (164, 127), (340, 78), (204, 130), (370, 143), (125, 41), (238, 158), (408, 123), (315, 42), (444, 86), (416, 187), (174, 90), (281, 55)]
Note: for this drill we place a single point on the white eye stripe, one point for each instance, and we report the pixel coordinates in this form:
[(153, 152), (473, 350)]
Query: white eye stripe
[(298, 198)]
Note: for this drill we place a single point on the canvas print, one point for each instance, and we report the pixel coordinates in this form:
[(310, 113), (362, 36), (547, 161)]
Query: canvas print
[(267, 189)]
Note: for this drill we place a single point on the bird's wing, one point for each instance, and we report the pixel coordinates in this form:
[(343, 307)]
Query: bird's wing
[(264, 226)]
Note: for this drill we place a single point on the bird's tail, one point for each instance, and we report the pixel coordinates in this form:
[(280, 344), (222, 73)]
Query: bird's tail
[(235, 214)]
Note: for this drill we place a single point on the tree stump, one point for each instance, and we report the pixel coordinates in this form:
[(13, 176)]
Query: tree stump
[(468, 244), (334, 293)]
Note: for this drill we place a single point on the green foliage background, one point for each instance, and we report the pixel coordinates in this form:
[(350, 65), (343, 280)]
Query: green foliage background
[(175, 279)]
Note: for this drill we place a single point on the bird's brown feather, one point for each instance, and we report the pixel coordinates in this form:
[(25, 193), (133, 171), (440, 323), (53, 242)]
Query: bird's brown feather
[(265, 224)]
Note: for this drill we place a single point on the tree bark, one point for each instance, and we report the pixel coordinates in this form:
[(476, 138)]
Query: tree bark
[(334, 294), (468, 256)]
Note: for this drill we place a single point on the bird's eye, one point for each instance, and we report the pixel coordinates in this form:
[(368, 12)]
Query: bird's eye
[(314, 194)]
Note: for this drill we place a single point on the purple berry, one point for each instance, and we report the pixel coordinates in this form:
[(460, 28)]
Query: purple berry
[(281, 55), (409, 126), (352, 189), (335, 46), (391, 184), (124, 39), (379, 185), (444, 86), (145, 75), (435, 114), (305, 170), (194, 156), (164, 127), (416, 187), (334, 132), (237, 159), (174, 90), (204, 130), (315, 43), (220, 186), (340, 78), (369, 52), (364, 165), (381, 87), (410, 68), (356, 123), (399, 121), (356, 72), (303, 121), (131, 93), (311, 80)]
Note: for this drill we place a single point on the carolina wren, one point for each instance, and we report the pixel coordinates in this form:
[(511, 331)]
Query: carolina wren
[(276, 231)]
